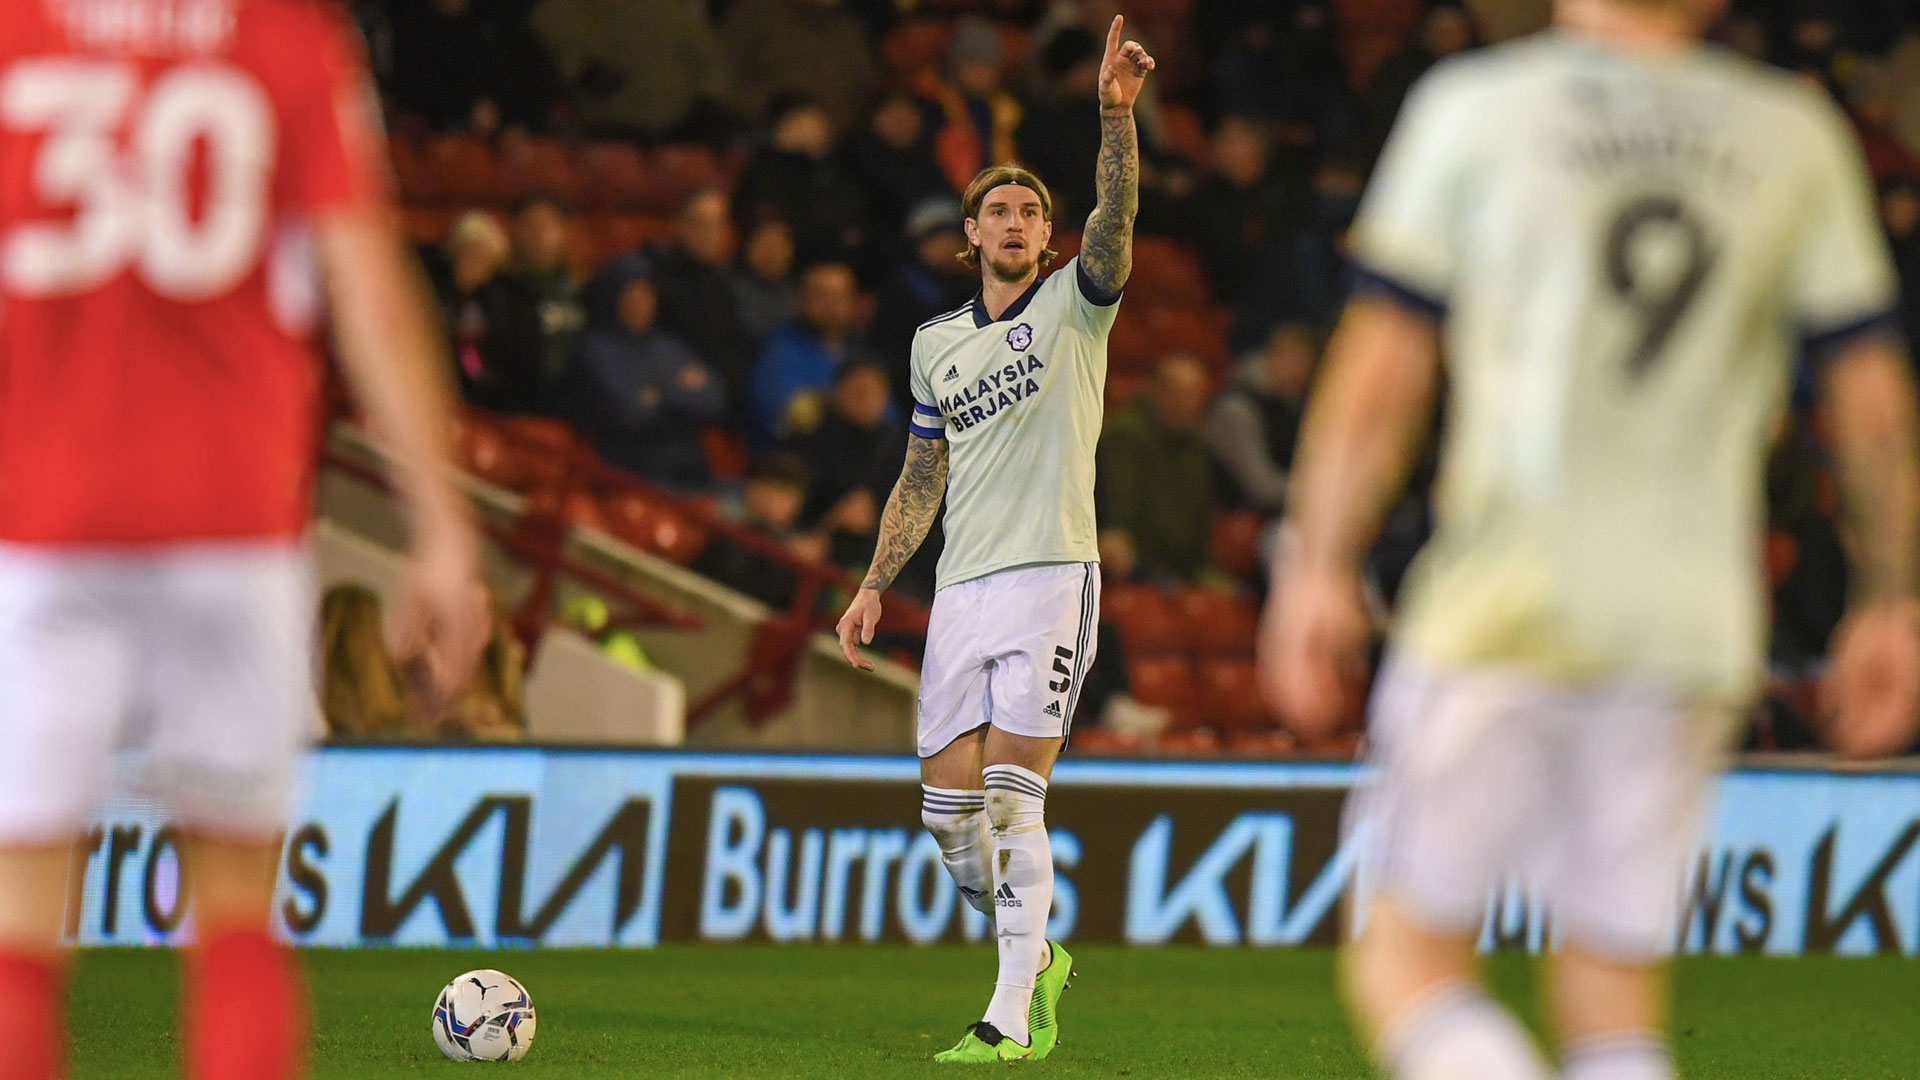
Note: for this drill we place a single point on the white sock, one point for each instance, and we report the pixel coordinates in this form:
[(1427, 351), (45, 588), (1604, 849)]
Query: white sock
[(1625, 1055), (1022, 891), (958, 819), (1458, 1034)]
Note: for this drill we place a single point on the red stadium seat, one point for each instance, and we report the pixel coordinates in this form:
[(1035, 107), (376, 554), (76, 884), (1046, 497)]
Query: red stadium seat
[(1272, 743), (1132, 345), (591, 241), (1230, 695), (1183, 134), (1199, 742), (1165, 680), (727, 453), (653, 527), (1235, 543), (428, 225), (463, 169), (545, 451), (411, 173), (486, 453), (614, 175), (914, 46), (1217, 623), (679, 171), (1146, 618), (1167, 272), (1122, 388), (1094, 740), (1198, 330), (529, 165)]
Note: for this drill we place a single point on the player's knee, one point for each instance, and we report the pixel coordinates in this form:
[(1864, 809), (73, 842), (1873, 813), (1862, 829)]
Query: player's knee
[(947, 826)]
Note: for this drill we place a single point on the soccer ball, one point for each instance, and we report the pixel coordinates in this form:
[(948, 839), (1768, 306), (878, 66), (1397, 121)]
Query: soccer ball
[(483, 1015)]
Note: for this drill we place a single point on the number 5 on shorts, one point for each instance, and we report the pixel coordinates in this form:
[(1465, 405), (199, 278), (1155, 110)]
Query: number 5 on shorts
[(1061, 654)]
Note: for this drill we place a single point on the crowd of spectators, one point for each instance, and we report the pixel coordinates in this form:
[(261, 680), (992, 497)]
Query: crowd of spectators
[(777, 304)]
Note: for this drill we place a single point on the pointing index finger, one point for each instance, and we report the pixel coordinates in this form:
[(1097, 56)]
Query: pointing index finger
[(1113, 36)]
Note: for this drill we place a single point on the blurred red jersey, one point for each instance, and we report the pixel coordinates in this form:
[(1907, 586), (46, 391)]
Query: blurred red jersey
[(161, 163)]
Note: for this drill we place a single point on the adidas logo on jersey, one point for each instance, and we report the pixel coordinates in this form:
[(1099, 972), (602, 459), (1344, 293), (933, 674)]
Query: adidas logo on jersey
[(953, 372), (1052, 709), (1004, 897)]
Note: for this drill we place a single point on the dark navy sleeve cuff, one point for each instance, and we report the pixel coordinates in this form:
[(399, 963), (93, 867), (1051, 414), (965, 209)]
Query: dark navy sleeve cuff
[(926, 432), (1095, 295), (1375, 284), (1818, 347)]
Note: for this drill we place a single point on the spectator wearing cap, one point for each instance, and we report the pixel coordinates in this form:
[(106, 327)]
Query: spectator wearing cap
[(639, 394), (934, 283), (853, 456), (539, 234), (797, 176), (785, 395), (1254, 423), (816, 49), (492, 319), (1059, 136), (1154, 492), (893, 160), (980, 115), (646, 70), (771, 504), (764, 294), (693, 274)]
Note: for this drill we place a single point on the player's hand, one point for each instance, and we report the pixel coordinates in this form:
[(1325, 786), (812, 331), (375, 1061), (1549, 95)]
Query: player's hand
[(861, 617), (444, 620), (1871, 694), (1314, 639), (1122, 69)]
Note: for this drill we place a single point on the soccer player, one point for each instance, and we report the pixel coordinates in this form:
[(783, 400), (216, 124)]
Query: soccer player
[(1623, 239), (1007, 404), (185, 187)]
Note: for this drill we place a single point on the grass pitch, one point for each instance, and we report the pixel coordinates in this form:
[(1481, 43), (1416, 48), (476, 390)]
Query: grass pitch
[(866, 1011)]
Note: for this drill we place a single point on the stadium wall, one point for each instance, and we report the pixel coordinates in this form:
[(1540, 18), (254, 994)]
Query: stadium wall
[(573, 847)]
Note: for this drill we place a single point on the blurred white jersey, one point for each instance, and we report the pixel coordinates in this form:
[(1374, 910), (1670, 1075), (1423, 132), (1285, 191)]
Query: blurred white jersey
[(1629, 252)]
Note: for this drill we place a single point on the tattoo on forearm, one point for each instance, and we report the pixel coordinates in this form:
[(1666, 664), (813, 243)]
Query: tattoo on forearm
[(1877, 476), (1106, 251), (910, 510)]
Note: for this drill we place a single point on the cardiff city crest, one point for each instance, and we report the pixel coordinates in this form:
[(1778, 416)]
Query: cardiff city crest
[(1020, 337)]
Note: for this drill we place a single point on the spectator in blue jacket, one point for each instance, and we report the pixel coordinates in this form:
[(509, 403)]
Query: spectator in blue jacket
[(786, 394), (640, 395)]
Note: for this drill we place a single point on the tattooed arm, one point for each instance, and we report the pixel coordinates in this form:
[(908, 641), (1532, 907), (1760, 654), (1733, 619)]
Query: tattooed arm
[(1106, 250), (903, 525), (1872, 685)]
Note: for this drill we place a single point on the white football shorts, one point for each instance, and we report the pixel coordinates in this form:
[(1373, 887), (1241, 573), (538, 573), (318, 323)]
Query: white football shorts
[(199, 655), (1596, 799), (1010, 649)]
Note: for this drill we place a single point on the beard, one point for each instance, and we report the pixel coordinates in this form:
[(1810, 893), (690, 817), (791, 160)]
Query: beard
[(1011, 265)]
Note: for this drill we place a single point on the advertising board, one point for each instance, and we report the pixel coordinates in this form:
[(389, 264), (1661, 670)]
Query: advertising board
[(527, 846)]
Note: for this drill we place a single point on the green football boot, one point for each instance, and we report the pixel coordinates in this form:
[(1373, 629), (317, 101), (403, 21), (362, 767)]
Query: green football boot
[(981, 1045), (1043, 1016)]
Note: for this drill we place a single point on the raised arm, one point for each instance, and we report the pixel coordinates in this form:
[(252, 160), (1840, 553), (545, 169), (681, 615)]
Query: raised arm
[(1872, 688), (1106, 250), (903, 525)]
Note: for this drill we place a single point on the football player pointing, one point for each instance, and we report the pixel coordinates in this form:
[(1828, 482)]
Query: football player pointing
[(1007, 407)]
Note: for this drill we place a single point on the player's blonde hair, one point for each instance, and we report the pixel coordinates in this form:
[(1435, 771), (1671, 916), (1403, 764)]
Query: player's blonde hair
[(993, 177)]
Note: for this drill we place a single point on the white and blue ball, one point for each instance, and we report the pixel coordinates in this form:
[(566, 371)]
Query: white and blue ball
[(483, 1015)]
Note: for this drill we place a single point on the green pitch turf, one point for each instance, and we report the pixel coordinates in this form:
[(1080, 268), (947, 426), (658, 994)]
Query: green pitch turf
[(856, 1012)]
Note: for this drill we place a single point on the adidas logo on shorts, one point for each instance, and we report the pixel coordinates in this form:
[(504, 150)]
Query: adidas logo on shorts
[(953, 372), (1004, 896), (1053, 710)]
